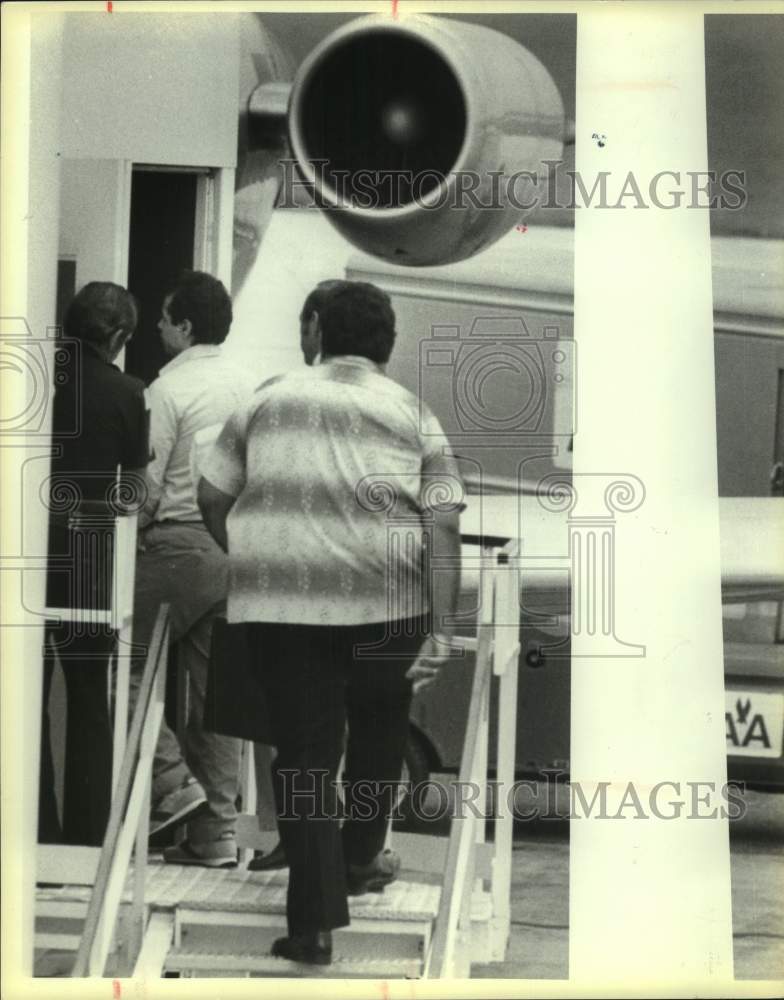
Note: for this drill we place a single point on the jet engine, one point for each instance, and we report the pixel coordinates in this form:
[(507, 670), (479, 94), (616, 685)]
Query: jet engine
[(423, 139)]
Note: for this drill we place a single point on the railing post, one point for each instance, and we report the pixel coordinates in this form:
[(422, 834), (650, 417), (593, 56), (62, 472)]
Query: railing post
[(137, 920), (458, 872), (123, 582), (462, 950), (506, 651), (122, 659), (478, 944), (450, 951), (486, 620), (128, 804)]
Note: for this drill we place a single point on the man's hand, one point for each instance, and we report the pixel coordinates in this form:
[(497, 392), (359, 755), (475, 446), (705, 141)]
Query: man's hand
[(214, 505), (434, 653)]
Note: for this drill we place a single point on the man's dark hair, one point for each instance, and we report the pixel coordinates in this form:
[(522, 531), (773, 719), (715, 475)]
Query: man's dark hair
[(99, 310), (316, 299), (357, 318), (204, 301)]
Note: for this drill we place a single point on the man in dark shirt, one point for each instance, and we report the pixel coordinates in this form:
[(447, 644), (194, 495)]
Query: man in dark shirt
[(99, 451)]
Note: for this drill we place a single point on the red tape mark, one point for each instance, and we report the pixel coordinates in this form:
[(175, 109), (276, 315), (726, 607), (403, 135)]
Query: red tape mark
[(108, 11), (116, 988), (394, 8)]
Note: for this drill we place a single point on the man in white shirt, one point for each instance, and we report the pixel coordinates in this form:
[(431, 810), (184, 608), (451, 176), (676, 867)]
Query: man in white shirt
[(179, 564)]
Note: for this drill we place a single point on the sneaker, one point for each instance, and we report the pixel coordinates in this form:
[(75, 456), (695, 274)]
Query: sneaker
[(220, 853), (382, 870), (178, 805)]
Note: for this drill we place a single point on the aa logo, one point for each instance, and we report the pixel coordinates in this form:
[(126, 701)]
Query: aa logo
[(754, 723)]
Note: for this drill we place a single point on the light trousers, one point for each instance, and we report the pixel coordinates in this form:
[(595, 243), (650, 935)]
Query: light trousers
[(179, 564)]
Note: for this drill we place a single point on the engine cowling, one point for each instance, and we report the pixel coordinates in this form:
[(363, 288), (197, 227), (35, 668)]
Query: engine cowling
[(423, 139)]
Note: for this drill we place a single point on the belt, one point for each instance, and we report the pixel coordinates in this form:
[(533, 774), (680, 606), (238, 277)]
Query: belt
[(171, 521)]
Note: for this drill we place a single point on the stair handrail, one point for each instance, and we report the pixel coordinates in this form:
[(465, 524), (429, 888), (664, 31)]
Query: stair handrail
[(458, 883), (129, 810), (480, 484)]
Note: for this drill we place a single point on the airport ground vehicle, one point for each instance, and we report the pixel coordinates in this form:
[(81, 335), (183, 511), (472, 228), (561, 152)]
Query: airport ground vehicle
[(754, 677)]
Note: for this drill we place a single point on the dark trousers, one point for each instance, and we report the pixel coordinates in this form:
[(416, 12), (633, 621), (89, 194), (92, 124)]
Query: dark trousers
[(317, 679), (88, 739)]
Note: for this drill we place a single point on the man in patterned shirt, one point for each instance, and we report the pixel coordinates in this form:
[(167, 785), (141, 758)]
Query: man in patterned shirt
[(335, 494)]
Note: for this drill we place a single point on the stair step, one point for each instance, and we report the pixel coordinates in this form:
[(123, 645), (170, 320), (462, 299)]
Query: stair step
[(237, 890), (68, 909), (187, 918), (180, 960), (56, 941)]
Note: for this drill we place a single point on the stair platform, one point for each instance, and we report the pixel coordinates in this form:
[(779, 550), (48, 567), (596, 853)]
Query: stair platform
[(212, 922), (239, 891)]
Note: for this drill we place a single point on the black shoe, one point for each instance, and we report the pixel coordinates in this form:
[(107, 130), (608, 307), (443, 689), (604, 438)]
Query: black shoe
[(261, 862), (372, 877), (313, 949)]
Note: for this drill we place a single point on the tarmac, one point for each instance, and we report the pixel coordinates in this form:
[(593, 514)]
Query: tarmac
[(539, 939)]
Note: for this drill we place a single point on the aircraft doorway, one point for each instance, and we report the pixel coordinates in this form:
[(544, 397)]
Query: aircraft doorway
[(162, 241)]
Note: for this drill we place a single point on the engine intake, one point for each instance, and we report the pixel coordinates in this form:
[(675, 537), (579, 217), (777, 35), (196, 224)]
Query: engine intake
[(410, 132)]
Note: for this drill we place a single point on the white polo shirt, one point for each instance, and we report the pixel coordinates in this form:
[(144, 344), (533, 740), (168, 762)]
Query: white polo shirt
[(195, 390)]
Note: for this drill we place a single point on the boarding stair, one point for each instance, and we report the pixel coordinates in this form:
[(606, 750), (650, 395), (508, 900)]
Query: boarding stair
[(125, 913)]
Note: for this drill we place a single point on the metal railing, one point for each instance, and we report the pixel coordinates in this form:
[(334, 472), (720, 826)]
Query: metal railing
[(128, 820), (449, 948), (497, 650)]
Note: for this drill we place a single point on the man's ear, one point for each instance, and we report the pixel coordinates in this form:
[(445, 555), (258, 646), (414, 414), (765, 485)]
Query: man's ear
[(314, 328), (117, 341), (187, 328)]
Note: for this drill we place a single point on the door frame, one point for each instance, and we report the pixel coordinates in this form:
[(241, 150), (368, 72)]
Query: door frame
[(213, 221)]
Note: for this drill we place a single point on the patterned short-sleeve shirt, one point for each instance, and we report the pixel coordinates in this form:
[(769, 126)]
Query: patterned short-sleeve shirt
[(337, 471)]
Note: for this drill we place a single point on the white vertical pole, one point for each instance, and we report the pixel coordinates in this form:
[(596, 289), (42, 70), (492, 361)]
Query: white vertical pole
[(506, 652), (122, 226), (650, 897), (136, 920), (31, 66), (223, 222), (121, 691)]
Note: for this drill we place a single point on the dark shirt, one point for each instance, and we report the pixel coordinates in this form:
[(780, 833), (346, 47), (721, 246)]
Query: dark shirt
[(99, 423)]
